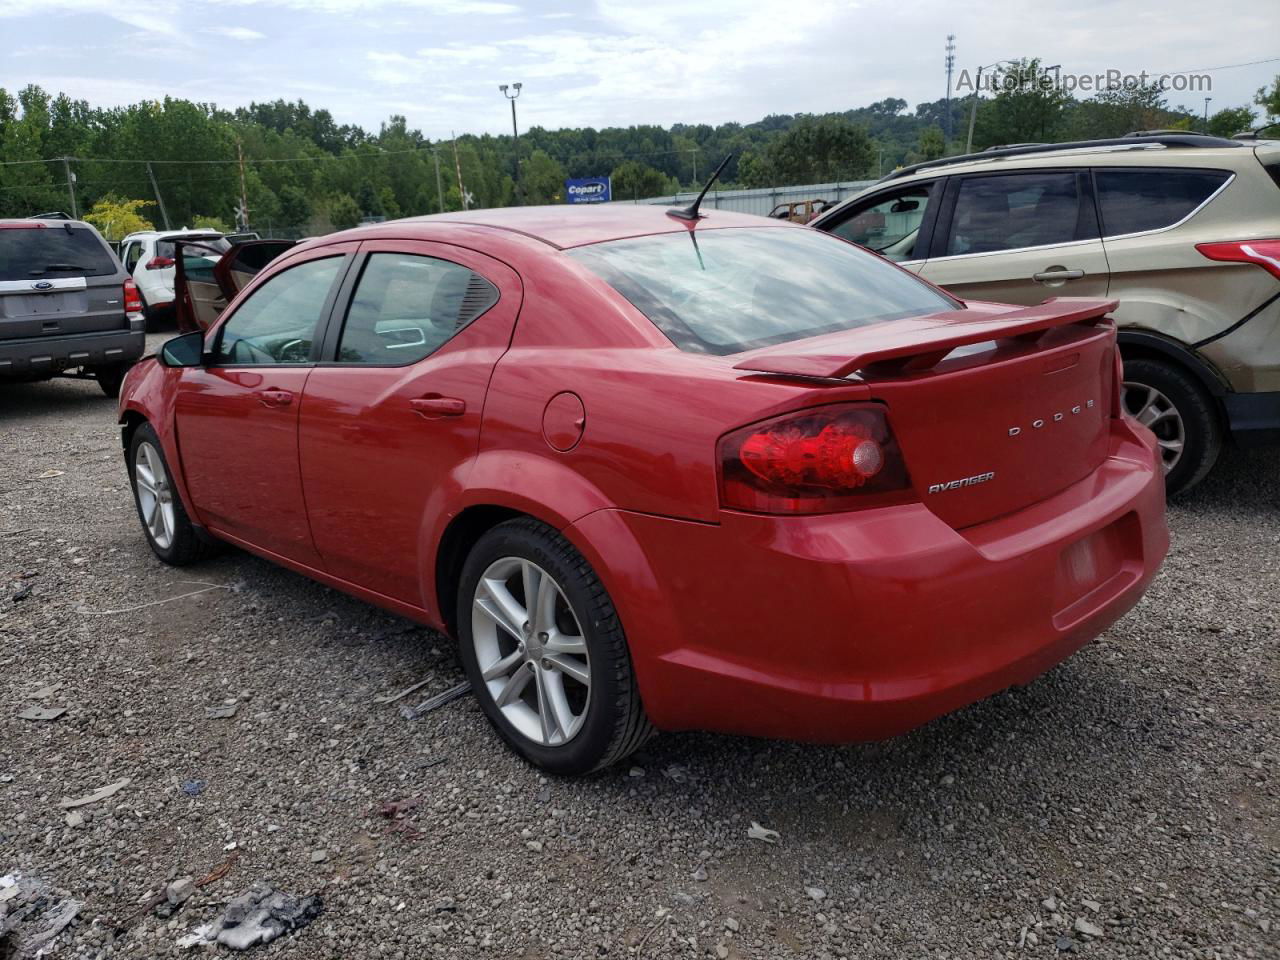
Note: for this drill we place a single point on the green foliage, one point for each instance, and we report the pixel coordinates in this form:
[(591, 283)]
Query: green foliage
[(1269, 99), (813, 150), (541, 179), (1027, 108), (116, 218), (210, 223), (343, 211), (1113, 113), (932, 143), (1232, 120), (633, 180)]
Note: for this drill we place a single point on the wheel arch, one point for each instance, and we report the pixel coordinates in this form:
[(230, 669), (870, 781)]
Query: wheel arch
[(1144, 344)]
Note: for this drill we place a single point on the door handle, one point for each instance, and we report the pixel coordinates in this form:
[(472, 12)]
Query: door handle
[(431, 408), (1057, 274), (275, 398)]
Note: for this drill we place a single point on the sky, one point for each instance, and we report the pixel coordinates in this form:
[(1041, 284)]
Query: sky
[(606, 62)]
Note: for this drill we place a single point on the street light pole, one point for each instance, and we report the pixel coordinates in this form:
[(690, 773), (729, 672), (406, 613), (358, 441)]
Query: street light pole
[(515, 134), (973, 109), (1206, 113)]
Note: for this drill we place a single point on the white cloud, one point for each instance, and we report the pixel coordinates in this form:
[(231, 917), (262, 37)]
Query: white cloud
[(238, 33)]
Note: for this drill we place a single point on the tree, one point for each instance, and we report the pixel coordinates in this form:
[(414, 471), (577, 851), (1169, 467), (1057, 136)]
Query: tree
[(932, 143), (210, 223), (1232, 120), (116, 218), (814, 150), (344, 212), (1028, 107), (542, 179), (633, 180), (1120, 110), (1269, 100)]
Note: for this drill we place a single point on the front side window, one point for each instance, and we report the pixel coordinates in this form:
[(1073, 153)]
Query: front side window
[(1011, 211), (890, 225), (407, 306), (1134, 201), (277, 323), (728, 290)]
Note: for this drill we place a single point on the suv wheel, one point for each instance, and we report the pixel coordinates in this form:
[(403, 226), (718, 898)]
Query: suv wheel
[(170, 532), (1180, 413), (110, 378), (544, 651)]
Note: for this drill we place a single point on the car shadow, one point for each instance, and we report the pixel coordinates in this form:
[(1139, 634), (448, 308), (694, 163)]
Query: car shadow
[(1241, 479), (58, 397)]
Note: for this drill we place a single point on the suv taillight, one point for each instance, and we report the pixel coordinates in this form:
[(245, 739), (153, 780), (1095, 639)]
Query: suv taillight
[(159, 263), (821, 460), (132, 300), (1262, 253)]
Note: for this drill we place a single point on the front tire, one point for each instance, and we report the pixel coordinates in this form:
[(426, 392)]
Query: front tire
[(1167, 401), (545, 652), (168, 529)]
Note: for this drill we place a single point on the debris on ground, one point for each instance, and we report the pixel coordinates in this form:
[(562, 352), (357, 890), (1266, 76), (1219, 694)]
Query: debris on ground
[(50, 474), (393, 697), (75, 819), (32, 916), (1088, 929), (757, 832), (259, 915), (398, 811), (22, 593), (44, 693), (223, 711), (41, 713), (67, 803), (174, 896), (193, 788), (439, 700)]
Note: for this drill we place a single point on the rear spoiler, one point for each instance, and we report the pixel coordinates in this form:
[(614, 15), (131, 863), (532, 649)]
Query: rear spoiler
[(912, 345)]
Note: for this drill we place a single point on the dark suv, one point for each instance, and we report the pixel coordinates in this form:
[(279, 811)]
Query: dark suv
[(66, 304)]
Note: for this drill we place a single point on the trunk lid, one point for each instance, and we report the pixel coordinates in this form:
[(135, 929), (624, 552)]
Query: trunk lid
[(57, 279), (994, 407)]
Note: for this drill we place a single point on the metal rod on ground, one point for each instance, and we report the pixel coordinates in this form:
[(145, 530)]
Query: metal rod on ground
[(71, 187), (440, 699), (164, 214)]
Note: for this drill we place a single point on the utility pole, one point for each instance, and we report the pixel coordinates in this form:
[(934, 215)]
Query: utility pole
[(457, 165), (1206, 115), (515, 133), (164, 214), (435, 154), (71, 187), (951, 62), (973, 112), (244, 193)]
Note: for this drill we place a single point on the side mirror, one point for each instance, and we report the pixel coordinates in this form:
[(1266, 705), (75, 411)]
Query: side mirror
[(184, 351)]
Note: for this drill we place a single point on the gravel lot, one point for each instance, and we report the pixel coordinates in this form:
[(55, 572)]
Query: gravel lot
[(1132, 792)]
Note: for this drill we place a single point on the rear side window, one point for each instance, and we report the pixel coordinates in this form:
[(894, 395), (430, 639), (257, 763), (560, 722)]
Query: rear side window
[(167, 248), (49, 252), (407, 306), (1134, 201), (1012, 211), (728, 290)]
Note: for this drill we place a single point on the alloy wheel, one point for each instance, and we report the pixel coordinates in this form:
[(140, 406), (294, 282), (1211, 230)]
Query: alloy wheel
[(531, 651), (155, 495), (1155, 411)]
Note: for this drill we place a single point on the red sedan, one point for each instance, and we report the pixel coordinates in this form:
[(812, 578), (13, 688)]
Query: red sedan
[(723, 473)]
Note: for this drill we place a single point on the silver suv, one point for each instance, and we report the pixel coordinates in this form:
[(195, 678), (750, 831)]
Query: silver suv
[(1182, 230), (66, 304)]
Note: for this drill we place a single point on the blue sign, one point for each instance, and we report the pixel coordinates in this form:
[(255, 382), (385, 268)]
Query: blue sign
[(588, 190)]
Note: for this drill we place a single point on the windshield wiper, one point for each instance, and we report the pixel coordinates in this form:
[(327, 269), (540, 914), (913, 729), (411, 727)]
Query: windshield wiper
[(57, 266)]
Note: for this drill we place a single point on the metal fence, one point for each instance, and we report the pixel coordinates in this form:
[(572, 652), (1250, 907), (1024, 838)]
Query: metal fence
[(763, 199)]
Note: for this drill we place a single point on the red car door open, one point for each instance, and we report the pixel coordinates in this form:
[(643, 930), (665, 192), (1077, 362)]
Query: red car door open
[(237, 416), (385, 424)]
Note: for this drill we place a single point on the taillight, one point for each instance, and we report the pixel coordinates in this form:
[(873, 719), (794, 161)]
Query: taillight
[(132, 299), (159, 263), (840, 457), (1262, 253)]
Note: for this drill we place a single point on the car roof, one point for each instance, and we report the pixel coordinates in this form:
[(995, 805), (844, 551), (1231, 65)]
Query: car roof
[(575, 225)]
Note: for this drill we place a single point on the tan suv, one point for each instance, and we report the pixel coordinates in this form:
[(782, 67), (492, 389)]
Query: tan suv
[(1183, 230)]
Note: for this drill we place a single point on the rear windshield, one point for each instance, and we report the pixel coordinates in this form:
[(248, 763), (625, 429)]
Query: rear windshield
[(166, 248), (49, 252), (728, 290)]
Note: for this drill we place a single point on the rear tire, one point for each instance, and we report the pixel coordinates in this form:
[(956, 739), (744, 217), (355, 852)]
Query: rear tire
[(1184, 418), (110, 378), (168, 529), (549, 716)]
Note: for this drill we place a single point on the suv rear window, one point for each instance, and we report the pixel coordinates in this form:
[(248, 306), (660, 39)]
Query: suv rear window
[(1134, 201), (728, 290), (48, 252)]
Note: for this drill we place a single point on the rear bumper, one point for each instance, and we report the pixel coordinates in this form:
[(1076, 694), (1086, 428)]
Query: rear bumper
[(864, 625), (1254, 418), (38, 356)]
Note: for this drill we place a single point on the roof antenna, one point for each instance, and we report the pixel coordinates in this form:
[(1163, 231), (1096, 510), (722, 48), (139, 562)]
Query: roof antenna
[(691, 211)]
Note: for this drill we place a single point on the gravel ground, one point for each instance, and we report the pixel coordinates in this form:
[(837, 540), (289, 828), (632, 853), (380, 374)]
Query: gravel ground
[(1123, 805)]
